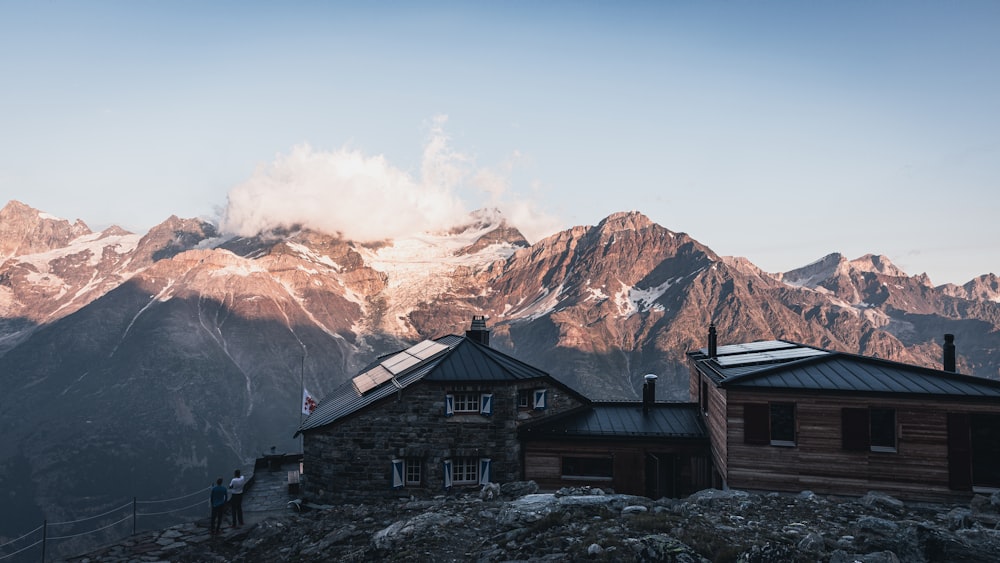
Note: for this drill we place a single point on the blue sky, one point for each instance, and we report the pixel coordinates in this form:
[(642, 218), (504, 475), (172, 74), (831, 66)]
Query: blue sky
[(779, 131)]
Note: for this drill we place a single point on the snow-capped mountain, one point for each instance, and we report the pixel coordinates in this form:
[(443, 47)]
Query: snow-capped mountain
[(149, 364)]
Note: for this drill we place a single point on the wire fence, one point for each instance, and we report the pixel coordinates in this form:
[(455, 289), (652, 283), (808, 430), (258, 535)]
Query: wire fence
[(113, 523)]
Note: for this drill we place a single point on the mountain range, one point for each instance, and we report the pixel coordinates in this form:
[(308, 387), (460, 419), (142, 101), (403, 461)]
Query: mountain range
[(146, 365)]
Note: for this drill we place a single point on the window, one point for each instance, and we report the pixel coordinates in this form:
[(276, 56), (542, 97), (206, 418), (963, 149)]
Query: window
[(405, 472), (465, 471), (883, 430), (466, 402), (770, 423), (589, 468), (412, 469), (782, 424), (522, 398), (868, 429)]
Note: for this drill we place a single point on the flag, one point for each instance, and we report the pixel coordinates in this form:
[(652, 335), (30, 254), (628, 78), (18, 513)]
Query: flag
[(308, 403)]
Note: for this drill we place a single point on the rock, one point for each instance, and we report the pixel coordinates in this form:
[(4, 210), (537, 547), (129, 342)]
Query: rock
[(518, 489), (812, 543), (875, 498), (840, 556), (594, 549)]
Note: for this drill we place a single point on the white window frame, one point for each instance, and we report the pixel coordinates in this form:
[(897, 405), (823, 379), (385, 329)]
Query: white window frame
[(466, 402), (412, 472), (465, 471)]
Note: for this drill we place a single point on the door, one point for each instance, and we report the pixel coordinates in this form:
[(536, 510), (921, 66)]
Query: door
[(661, 475)]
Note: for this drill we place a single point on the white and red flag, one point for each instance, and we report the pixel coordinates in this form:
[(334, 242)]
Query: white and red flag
[(308, 403)]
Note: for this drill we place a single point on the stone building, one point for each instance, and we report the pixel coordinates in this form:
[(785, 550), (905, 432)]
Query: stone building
[(441, 414)]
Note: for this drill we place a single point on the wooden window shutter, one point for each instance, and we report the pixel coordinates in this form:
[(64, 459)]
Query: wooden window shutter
[(854, 429), (959, 452), (449, 405), (446, 468), (486, 404), (756, 423), (541, 399), (398, 477), (484, 471)]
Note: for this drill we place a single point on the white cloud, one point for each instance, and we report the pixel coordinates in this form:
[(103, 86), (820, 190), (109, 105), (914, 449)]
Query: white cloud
[(366, 198)]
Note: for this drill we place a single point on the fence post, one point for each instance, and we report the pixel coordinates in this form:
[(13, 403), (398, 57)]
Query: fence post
[(45, 529), (133, 516)]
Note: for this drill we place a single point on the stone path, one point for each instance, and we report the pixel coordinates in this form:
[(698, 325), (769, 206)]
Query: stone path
[(268, 495)]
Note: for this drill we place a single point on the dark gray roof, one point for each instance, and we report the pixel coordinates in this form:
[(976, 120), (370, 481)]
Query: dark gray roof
[(814, 369), (464, 360), (623, 420)]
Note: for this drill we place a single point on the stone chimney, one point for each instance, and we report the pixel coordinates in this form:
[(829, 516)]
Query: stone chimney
[(478, 331), (648, 392), (949, 353), (713, 342)]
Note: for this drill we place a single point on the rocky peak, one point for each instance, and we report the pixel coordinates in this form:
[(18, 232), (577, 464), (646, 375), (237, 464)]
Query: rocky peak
[(625, 221), (877, 264), (813, 274), (26, 230)]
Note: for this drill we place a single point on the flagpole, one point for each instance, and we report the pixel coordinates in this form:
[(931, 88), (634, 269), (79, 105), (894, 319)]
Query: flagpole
[(302, 386)]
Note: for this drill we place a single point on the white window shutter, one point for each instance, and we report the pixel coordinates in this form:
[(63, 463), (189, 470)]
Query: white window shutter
[(484, 471), (397, 473), (486, 404), (449, 405), (446, 466), (541, 399)]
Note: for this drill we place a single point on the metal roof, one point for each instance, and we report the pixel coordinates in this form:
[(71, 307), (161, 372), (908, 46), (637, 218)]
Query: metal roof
[(815, 369), (460, 359), (623, 420)]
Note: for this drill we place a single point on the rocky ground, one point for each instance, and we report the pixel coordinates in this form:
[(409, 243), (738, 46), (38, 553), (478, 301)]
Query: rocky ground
[(589, 525)]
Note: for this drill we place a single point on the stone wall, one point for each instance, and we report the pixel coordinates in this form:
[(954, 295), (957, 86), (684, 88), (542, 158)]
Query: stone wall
[(352, 458)]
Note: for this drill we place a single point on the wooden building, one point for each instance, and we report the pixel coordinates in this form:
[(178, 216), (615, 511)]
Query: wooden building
[(439, 415), (649, 448), (783, 416)]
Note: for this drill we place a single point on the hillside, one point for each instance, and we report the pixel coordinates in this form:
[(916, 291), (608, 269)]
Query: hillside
[(141, 364)]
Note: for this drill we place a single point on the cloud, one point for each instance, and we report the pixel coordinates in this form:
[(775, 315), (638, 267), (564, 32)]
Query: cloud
[(366, 198)]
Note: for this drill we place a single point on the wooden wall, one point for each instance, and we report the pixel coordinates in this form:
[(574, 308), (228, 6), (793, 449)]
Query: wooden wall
[(543, 463), (917, 470)]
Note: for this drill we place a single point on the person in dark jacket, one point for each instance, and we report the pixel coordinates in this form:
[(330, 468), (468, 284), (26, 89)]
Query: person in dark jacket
[(218, 497)]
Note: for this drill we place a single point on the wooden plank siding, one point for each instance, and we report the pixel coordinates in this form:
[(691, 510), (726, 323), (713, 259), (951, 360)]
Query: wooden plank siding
[(918, 469), (543, 463), (715, 417)]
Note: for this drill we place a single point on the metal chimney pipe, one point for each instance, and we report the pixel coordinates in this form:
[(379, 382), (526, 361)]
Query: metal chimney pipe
[(648, 392), (949, 352), (713, 341)]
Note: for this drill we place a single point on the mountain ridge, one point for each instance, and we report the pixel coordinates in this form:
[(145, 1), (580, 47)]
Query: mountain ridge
[(168, 354)]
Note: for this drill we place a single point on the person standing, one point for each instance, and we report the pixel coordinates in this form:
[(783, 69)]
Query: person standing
[(218, 497), (236, 490)]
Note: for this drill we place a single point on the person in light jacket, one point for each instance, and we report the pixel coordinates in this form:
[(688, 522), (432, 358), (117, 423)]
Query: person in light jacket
[(236, 499)]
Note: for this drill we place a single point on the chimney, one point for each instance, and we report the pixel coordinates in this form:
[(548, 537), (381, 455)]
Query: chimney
[(478, 331), (949, 353), (713, 342), (648, 392)]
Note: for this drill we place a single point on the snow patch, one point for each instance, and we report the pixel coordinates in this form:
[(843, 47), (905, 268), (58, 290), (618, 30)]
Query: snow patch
[(308, 254), (632, 300)]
